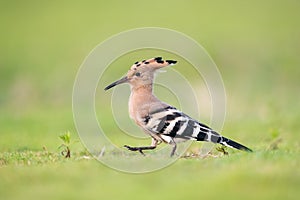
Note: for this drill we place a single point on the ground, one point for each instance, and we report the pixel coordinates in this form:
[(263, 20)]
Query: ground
[(255, 46)]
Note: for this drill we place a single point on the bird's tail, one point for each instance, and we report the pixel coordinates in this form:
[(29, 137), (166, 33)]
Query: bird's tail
[(232, 144)]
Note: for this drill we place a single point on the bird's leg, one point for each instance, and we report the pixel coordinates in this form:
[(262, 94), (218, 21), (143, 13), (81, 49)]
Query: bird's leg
[(173, 143), (174, 149), (140, 149)]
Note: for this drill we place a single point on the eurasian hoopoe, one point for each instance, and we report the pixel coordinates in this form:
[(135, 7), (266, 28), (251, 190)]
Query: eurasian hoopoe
[(161, 121)]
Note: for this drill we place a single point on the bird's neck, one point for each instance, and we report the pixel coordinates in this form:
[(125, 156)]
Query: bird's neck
[(143, 89)]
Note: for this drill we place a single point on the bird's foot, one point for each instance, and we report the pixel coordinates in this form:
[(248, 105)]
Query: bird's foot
[(140, 149)]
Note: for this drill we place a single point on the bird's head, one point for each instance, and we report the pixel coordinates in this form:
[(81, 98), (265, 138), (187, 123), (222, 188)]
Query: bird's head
[(142, 73)]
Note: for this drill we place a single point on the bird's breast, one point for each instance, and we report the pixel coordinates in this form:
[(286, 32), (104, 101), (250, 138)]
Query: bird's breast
[(136, 108)]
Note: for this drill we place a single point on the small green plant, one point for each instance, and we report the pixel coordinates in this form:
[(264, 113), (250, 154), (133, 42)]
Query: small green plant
[(276, 139), (66, 138)]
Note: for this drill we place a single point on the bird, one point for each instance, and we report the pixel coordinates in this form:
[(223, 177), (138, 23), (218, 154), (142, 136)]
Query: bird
[(163, 122)]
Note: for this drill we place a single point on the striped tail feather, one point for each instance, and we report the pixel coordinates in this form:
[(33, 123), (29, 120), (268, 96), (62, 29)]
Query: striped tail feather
[(209, 135), (232, 144)]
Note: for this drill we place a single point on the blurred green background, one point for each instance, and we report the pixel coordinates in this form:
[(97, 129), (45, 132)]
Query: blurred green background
[(255, 44)]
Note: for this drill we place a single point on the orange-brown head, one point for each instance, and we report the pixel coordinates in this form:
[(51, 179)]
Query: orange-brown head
[(142, 73)]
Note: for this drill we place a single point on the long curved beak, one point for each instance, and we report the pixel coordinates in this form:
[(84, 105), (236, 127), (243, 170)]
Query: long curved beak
[(122, 80)]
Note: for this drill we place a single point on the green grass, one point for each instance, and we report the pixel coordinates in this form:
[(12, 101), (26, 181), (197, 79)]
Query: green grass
[(256, 46), (271, 174)]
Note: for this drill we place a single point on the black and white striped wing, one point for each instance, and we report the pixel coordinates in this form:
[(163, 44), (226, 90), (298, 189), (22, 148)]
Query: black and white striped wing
[(171, 123)]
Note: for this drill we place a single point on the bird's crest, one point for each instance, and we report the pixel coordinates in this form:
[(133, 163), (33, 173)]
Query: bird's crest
[(151, 64)]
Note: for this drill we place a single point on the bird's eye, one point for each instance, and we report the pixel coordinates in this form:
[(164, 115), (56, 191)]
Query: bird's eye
[(138, 74)]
